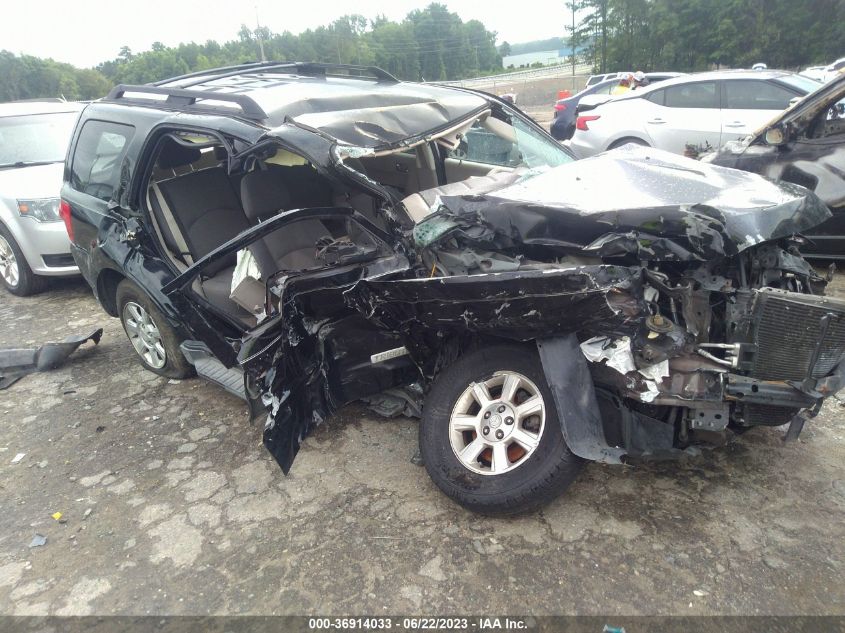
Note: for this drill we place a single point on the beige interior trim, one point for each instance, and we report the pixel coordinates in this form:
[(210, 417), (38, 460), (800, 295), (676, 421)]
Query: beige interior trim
[(416, 207), (500, 129), (172, 225), (179, 265)]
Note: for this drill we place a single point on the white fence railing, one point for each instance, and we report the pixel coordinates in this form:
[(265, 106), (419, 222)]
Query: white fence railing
[(547, 72)]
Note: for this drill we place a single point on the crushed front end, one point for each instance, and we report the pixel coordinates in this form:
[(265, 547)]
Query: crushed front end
[(668, 311), (724, 327)]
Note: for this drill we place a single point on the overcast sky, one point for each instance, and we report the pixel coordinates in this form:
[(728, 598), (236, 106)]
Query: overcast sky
[(86, 32)]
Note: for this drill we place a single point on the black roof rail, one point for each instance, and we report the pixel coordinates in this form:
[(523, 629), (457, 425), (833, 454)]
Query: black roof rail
[(317, 69), (187, 99), (214, 71)]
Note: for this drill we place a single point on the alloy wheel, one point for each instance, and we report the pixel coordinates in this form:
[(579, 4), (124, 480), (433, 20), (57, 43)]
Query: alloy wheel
[(496, 424), (9, 270), (144, 335)]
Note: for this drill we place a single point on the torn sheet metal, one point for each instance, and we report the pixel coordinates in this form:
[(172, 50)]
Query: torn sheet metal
[(17, 363), (517, 305), (619, 357), (656, 372), (392, 114), (673, 209)]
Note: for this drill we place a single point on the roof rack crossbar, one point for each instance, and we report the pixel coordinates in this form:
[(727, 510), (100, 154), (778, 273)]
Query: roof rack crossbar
[(188, 98), (300, 68)]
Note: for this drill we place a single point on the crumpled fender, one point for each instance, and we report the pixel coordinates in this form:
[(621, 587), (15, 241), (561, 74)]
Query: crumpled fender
[(571, 384), (17, 363)]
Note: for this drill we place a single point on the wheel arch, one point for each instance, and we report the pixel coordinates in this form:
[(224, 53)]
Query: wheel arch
[(107, 282), (628, 138), (571, 383)]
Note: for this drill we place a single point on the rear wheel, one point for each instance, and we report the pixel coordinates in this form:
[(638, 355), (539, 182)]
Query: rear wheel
[(490, 436), (155, 342), (15, 273)]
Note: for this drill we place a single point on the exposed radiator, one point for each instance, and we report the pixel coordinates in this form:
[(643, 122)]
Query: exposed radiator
[(787, 327)]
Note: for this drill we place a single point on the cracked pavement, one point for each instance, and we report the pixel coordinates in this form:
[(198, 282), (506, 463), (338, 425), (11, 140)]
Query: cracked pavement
[(171, 505)]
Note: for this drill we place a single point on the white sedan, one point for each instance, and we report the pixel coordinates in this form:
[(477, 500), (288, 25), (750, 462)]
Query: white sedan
[(701, 110)]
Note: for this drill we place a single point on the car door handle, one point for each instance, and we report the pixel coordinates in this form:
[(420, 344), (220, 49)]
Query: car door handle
[(735, 124), (656, 121)]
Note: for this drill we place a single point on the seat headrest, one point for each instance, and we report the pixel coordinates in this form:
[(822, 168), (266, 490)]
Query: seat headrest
[(263, 194), (175, 154)]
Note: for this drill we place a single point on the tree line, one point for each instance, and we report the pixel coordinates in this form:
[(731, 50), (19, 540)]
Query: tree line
[(689, 35), (431, 43)]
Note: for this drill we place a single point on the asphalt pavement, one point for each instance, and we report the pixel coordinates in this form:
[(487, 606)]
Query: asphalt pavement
[(170, 505)]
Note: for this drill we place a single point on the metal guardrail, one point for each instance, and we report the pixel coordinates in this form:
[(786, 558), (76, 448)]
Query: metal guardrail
[(559, 70)]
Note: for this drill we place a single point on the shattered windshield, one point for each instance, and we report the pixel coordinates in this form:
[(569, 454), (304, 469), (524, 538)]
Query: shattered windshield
[(535, 149)]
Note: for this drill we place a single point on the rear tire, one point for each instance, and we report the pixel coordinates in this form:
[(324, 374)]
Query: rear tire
[(156, 343), (534, 467), (15, 273)]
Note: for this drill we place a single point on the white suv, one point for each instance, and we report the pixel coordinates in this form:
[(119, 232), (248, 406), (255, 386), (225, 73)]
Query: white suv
[(34, 136)]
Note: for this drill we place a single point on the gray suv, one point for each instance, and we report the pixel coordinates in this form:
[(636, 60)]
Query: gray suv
[(34, 137)]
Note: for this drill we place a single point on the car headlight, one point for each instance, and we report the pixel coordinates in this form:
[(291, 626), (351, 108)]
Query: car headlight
[(41, 209)]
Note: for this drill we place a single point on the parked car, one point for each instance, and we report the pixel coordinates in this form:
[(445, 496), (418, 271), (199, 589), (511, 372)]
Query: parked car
[(563, 124), (806, 146), (279, 230), (834, 70), (814, 72), (704, 109), (34, 136), (597, 79)]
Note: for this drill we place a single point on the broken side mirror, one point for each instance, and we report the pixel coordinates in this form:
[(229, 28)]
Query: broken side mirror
[(775, 136)]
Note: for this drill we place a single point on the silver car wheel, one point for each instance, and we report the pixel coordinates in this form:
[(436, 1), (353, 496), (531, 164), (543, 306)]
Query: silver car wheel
[(496, 424), (9, 270), (144, 335)]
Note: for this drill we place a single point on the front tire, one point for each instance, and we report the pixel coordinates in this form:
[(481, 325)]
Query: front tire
[(490, 436), (154, 341), (15, 273)]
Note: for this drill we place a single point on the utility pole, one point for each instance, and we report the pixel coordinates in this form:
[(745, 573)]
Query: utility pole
[(258, 35), (572, 40)]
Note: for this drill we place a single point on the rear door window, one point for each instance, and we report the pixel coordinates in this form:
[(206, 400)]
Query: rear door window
[(752, 94), (702, 94), (95, 169)]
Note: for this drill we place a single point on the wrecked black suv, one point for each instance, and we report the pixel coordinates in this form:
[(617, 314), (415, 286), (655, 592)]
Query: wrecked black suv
[(307, 235)]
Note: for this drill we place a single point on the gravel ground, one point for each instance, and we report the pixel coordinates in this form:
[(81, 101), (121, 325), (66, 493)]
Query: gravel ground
[(170, 505)]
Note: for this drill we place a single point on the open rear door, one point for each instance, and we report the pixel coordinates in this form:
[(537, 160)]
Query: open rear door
[(310, 352)]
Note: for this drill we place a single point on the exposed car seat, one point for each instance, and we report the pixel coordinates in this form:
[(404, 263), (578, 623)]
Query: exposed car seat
[(265, 193), (199, 211)]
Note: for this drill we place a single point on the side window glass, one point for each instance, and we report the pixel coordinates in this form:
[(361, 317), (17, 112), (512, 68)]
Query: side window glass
[(96, 161), (756, 95), (695, 95), (604, 90), (657, 97)]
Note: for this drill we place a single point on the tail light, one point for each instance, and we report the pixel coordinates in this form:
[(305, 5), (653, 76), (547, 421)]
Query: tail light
[(64, 213), (581, 121), (560, 107)]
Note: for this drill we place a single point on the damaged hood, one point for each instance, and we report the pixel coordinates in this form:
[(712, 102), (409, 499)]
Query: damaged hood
[(635, 200)]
